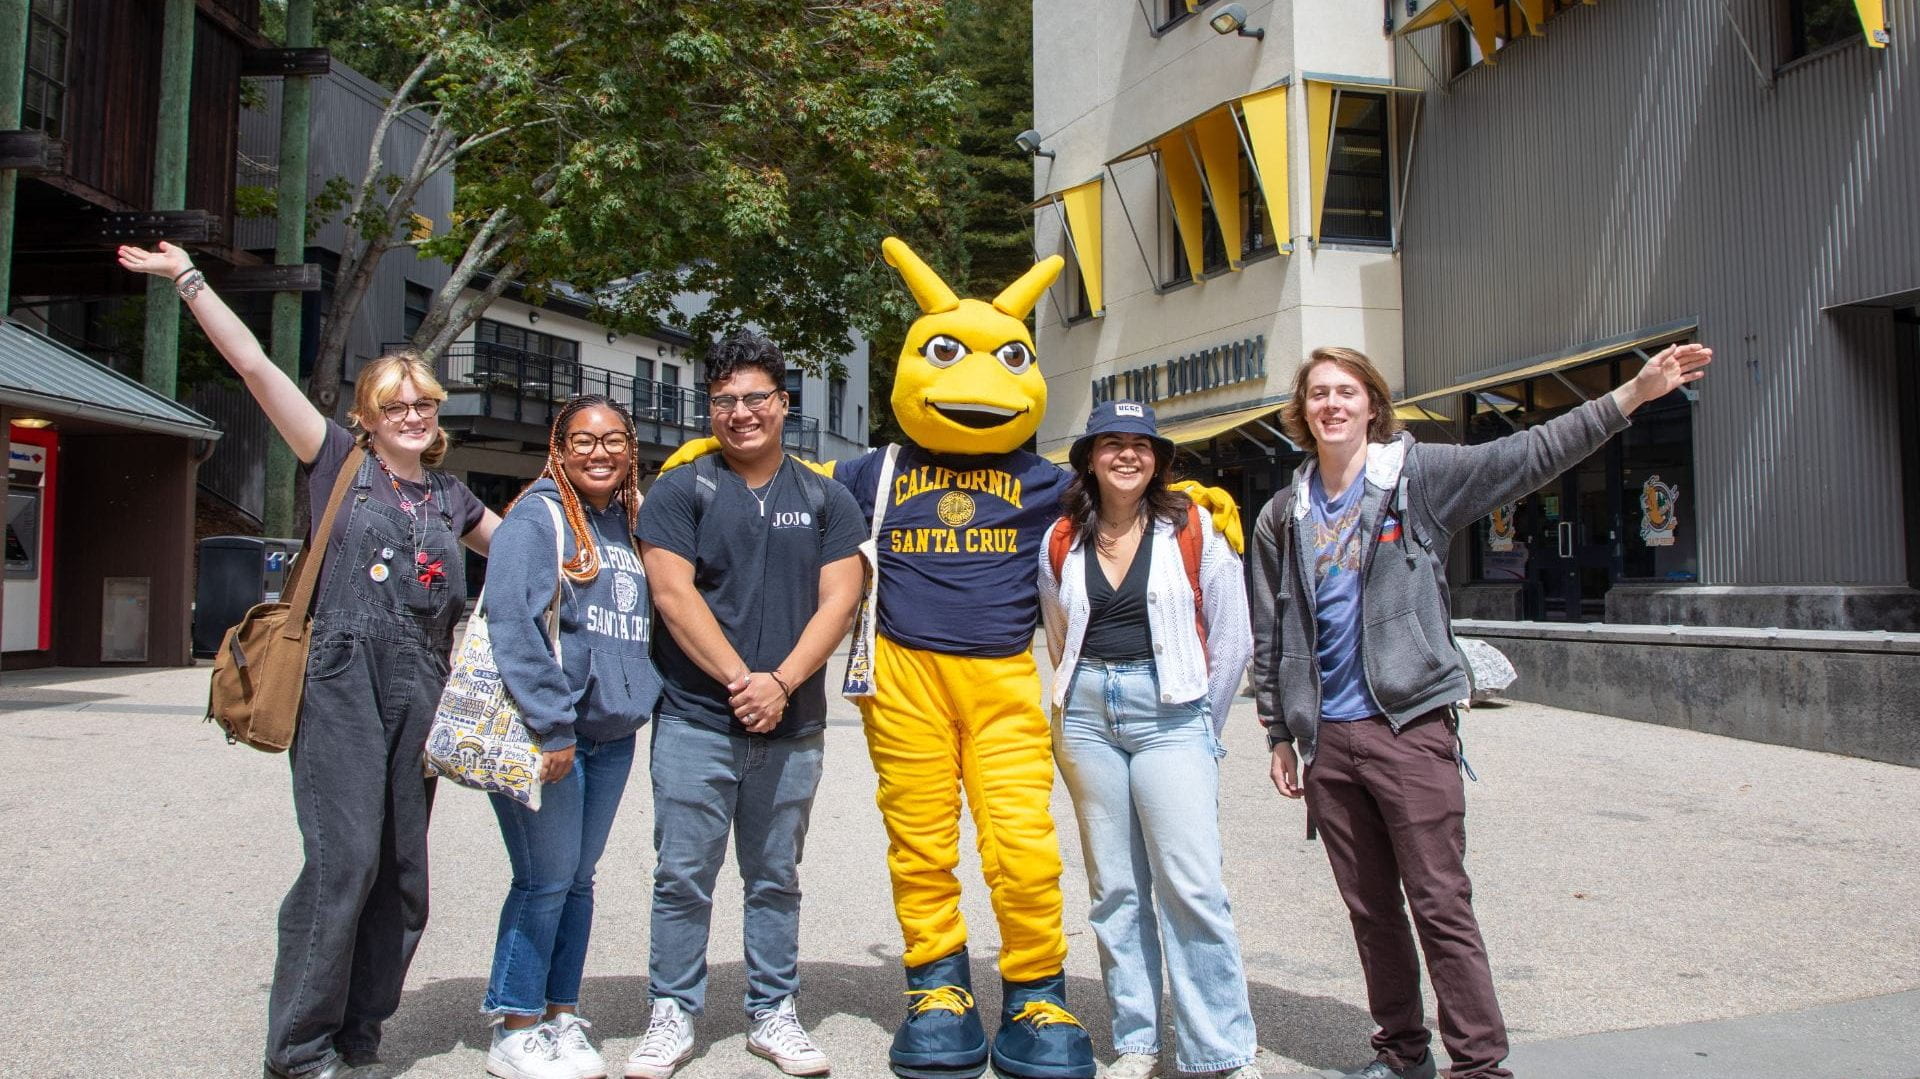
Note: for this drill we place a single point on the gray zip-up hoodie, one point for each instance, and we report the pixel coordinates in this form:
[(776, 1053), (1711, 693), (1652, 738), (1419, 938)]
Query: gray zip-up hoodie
[(1418, 495), (605, 686)]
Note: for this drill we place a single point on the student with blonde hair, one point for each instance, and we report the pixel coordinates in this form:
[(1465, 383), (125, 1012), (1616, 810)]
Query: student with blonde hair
[(391, 588)]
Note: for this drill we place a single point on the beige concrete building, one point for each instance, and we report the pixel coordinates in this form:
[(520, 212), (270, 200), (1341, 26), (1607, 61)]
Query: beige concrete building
[(1226, 200)]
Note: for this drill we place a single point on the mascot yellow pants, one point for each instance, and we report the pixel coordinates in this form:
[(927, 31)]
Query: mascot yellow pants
[(939, 722)]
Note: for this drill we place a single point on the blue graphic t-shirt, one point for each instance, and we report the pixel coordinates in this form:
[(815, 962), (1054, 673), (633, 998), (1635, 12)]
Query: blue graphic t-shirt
[(959, 546), (1338, 551)]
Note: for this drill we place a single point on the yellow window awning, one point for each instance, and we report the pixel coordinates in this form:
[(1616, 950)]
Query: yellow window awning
[(1323, 98), (1873, 19), (1265, 114), (1177, 155), (1435, 13), (1204, 428), (1080, 206), (1415, 413), (1219, 142), (1485, 18), (1537, 366)]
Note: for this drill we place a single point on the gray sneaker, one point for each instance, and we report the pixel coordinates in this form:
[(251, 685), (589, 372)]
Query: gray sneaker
[(1380, 1069), (1132, 1066)]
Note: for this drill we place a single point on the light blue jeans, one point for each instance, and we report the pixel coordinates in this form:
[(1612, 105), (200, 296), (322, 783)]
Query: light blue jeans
[(548, 916), (1145, 779), (708, 784)]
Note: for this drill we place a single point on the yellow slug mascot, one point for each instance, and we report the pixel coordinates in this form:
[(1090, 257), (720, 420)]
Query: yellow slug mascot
[(945, 677)]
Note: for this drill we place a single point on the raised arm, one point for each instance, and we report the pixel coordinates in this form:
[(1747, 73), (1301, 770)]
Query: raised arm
[(298, 422), (1465, 483)]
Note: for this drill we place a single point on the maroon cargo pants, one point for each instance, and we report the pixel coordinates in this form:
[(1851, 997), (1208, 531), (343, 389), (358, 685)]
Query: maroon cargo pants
[(1392, 812)]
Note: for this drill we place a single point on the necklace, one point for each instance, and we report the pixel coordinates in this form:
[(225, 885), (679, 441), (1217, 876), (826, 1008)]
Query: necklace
[(430, 570), (406, 503), (765, 492)]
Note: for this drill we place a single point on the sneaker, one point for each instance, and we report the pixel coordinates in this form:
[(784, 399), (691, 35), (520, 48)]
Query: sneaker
[(779, 1037), (1380, 1069), (1244, 1071), (666, 1045), (1133, 1066), (570, 1034), (526, 1053)]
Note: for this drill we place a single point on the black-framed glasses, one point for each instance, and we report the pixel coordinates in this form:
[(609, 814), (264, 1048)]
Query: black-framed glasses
[(755, 402), (396, 411), (583, 443)]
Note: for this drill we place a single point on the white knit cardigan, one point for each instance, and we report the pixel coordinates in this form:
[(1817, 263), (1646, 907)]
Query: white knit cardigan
[(1186, 674)]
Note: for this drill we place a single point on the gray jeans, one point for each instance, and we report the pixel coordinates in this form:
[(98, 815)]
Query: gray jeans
[(706, 784)]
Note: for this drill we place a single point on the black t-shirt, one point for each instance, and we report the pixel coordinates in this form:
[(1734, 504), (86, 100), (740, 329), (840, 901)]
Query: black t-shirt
[(462, 508), (1117, 617), (759, 574)]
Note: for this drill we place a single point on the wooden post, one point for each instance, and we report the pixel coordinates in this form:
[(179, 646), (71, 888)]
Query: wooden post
[(296, 97), (13, 74), (160, 367)]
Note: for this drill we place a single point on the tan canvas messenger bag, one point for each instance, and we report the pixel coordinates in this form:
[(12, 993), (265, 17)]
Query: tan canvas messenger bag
[(261, 668)]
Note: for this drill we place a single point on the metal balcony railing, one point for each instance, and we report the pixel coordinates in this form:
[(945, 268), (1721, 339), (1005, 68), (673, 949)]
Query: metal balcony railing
[(527, 387)]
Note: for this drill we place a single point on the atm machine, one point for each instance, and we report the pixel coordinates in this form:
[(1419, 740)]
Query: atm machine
[(32, 469)]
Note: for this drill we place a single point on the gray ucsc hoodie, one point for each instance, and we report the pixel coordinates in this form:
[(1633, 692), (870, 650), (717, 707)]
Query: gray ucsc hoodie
[(608, 687), (1418, 495)]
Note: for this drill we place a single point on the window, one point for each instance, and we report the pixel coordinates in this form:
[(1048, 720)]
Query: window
[(1812, 25), (860, 431), (1079, 306), (795, 380), (1359, 200), (1258, 236), (505, 335), (419, 301), (44, 100), (670, 393), (836, 404), (1169, 12), (643, 369)]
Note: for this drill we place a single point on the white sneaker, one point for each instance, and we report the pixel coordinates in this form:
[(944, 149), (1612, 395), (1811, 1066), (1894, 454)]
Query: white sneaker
[(779, 1037), (527, 1053), (1132, 1066), (570, 1035), (666, 1045)]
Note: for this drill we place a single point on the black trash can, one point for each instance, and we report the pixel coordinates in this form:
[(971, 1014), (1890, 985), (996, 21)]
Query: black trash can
[(236, 572)]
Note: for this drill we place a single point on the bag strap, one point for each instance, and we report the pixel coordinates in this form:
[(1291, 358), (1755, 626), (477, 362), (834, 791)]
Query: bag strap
[(307, 569), (706, 484), (1190, 540), (559, 574), (1059, 541)]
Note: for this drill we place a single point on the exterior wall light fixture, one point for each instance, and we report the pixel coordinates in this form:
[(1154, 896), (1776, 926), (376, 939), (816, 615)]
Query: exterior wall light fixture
[(533, 317), (1029, 143), (1232, 19), (612, 337)]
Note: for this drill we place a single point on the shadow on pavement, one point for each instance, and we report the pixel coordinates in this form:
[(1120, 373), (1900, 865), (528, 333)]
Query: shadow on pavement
[(443, 1016)]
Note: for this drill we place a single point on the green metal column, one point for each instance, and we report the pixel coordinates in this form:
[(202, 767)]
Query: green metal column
[(13, 74), (161, 366), (296, 97)]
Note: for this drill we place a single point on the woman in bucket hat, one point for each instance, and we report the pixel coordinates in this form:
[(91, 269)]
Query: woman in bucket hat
[(1146, 617)]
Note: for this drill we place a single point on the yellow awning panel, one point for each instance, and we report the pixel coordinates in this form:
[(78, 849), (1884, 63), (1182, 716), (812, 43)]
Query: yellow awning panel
[(1188, 432), (1413, 413), (1485, 17), (1266, 117), (1433, 15), (1059, 454), (1183, 189), (1873, 19), (1082, 204), (1220, 152), (1599, 350), (1319, 148)]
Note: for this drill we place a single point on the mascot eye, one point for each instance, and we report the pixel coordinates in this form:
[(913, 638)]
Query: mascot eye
[(943, 351), (1016, 356)]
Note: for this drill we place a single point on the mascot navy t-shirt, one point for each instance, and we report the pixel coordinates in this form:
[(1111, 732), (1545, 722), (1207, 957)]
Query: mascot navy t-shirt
[(948, 577)]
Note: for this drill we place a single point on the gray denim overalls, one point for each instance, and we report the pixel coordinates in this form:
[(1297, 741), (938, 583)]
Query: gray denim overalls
[(379, 657)]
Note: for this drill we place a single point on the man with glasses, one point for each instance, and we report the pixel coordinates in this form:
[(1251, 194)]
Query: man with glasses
[(754, 564)]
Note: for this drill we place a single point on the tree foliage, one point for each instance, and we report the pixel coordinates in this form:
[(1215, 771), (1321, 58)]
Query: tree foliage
[(639, 149)]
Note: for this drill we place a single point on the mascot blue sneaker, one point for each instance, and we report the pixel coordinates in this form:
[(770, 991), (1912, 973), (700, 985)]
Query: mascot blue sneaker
[(942, 1037), (1038, 1037)]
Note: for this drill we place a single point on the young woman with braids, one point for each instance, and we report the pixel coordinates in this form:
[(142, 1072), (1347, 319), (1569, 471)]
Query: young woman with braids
[(585, 708), (390, 590)]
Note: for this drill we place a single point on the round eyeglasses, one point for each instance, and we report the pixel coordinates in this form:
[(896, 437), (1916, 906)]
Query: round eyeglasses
[(583, 443), (755, 402), (396, 411)]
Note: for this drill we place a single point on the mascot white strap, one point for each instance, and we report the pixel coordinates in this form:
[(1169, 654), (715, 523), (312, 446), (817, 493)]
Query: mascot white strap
[(859, 680)]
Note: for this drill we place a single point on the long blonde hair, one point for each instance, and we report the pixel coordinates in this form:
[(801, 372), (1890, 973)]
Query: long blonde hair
[(379, 386)]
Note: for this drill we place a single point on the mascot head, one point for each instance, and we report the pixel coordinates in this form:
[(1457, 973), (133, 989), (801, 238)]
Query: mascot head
[(968, 381)]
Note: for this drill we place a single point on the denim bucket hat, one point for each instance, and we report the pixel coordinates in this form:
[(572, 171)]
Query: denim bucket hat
[(1121, 418)]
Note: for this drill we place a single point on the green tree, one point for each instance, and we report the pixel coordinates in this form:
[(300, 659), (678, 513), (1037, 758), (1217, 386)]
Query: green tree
[(980, 237), (637, 149)]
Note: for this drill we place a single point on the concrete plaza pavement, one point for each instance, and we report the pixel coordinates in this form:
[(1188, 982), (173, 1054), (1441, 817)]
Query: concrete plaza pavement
[(1658, 903)]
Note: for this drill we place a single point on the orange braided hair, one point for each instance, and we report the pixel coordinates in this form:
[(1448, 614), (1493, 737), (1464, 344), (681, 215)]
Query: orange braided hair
[(584, 566)]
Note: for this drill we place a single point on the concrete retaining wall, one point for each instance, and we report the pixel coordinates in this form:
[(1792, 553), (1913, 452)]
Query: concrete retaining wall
[(1838, 692)]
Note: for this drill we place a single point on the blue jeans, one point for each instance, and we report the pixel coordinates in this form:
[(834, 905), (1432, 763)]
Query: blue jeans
[(548, 915), (1145, 779), (708, 783)]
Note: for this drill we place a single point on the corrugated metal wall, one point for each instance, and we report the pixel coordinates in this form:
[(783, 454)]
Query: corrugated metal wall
[(346, 107), (1629, 168)]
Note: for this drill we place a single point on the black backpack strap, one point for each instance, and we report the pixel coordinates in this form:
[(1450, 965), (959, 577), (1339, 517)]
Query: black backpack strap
[(706, 484), (815, 486)]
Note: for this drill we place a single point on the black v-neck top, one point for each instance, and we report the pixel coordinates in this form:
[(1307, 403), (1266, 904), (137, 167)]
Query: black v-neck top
[(1117, 617)]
